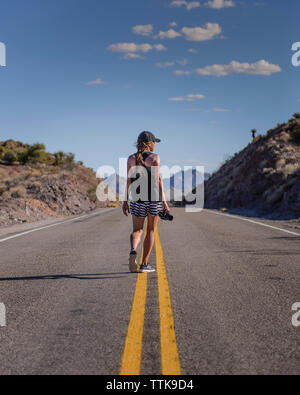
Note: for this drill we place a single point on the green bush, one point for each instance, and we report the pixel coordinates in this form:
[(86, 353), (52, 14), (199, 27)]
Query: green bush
[(92, 193), (70, 158), (61, 158), (10, 157), (11, 151), (297, 115), (35, 153)]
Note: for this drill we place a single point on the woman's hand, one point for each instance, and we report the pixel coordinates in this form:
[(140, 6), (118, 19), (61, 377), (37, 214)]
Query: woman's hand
[(166, 207), (125, 209)]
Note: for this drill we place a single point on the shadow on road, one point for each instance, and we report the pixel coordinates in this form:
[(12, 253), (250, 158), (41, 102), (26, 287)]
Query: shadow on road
[(96, 276), (266, 252)]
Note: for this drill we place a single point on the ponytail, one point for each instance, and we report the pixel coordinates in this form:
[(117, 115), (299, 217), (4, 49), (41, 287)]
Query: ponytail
[(141, 147)]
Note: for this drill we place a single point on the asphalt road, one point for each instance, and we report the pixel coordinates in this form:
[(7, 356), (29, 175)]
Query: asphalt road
[(69, 297)]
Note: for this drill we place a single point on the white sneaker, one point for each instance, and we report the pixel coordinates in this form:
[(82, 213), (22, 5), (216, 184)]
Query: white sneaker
[(147, 269), (133, 265)]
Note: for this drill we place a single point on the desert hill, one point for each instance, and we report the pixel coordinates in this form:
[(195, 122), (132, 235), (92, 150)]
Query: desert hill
[(35, 184), (264, 178)]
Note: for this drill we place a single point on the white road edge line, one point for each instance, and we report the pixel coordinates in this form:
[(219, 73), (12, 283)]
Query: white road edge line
[(253, 222), (52, 225)]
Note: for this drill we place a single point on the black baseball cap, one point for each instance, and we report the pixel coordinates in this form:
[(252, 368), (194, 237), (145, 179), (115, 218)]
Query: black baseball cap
[(147, 137)]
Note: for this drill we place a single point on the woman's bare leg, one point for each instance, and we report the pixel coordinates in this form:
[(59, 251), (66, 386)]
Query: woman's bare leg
[(149, 240), (135, 237)]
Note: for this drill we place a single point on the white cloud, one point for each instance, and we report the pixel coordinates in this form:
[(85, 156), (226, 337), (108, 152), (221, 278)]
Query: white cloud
[(130, 47), (202, 33), (169, 34), (132, 55), (189, 98), (182, 72), (159, 47), (132, 50), (97, 81), (165, 64), (178, 3), (261, 67), (192, 50), (183, 62), (189, 5), (143, 30), (173, 24), (192, 4), (219, 4)]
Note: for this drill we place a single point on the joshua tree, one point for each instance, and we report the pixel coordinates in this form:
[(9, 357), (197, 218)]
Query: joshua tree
[(253, 131)]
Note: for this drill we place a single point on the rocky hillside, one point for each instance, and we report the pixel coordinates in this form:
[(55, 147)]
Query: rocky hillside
[(35, 184), (264, 178)]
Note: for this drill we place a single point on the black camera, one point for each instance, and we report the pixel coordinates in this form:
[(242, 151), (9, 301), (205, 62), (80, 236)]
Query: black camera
[(166, 216)]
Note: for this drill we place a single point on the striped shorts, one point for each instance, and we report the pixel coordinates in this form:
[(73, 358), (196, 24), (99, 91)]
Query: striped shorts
[(143, 209)]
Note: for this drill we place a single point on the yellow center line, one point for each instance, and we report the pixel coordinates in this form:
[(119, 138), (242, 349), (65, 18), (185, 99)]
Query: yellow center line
[(132, 355), (170, 363)]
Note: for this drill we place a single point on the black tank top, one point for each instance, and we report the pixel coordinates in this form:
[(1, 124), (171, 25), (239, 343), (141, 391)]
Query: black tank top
[(152, 183)]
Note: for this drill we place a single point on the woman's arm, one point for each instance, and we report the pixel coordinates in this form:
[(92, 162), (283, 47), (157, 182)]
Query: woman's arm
[(161, 186)]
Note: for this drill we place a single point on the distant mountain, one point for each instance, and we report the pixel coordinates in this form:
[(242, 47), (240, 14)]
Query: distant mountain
[(187, 179), (182, 183), (117, 183)]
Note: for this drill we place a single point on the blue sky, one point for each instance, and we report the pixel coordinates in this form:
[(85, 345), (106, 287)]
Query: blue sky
[(88, 76)]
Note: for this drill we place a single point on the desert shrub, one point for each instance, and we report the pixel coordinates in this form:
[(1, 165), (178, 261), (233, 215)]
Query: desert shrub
[(59, 158), (18, 192), (2, 152), (257, 138), (10, 157), (70, 158), (35, 153), (295, 135), (62, 159), (92, 193)]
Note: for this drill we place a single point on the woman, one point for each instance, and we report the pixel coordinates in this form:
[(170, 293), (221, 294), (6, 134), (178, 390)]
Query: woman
[(147, 200)]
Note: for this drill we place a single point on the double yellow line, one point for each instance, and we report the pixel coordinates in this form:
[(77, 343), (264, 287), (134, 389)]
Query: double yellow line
[(132, 356)]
